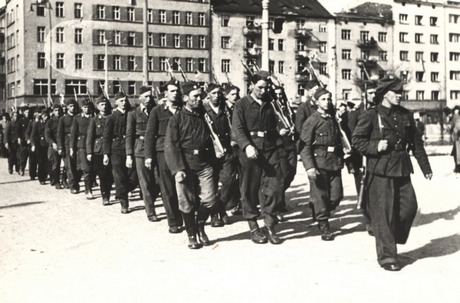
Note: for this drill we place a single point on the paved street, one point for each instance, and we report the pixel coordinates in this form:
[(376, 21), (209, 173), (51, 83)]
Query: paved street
[(58, 247)]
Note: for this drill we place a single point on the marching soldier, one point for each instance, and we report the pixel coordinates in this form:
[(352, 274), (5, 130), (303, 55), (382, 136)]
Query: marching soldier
[(51, 135), (135, 137), (23, 147), (154, 154), (94, 152), (255, 130), (77, 144), (114, 148), (63, 142), (11, 143), (39, 146), (384, 135), (189, 154), (322, 157), (33, 154)]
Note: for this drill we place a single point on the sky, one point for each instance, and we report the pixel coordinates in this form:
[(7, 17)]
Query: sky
[(335, 6)]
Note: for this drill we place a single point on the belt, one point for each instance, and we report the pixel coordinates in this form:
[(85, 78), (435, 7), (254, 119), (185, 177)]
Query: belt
[(122, 137), (42, 137), (140, 137), (196, 152), (259, 134), (329, 149)]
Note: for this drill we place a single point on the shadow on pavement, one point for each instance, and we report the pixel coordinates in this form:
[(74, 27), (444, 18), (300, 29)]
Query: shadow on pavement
[(422, 219), (21, 204), (19, 181)]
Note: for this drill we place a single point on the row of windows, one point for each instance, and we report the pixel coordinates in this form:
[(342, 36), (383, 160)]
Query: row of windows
[(418, 38), (80, 87), (365, 54), (58, 8), (364, 35), (418, 20), (419, 56), (250, 22)]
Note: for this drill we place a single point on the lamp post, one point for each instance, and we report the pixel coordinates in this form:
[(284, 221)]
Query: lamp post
[(265, 28), (106, 68), (145, 47)]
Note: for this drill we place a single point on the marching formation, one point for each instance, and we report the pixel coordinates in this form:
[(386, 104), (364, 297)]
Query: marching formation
[(206, 152)]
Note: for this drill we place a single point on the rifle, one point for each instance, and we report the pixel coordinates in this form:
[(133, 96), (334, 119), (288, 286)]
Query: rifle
[(218, 147), (228, 79), (170, 70), (121, 86), (89, 94), (75, 94), (214, 75), (103, 90), (184, 76)]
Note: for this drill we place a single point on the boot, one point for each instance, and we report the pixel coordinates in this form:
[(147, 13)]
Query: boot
[(312, 208), (216, 221), (88, 191), (124, 206), (202, 236), (105, 201), (272, 236), (257, 236), (190, 227), (223, 215), (326, 234)]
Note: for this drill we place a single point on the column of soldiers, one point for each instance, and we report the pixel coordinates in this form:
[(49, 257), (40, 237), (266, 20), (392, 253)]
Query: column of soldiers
[(207, 158)]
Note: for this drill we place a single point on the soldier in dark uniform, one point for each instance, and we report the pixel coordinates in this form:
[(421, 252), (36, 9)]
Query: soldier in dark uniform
[(63, 142), (51, 135), (322, 157), (255, 128), (78, 132), (384, 135), (114, 148), (304, 111), (154, 151), (39, 146), (11, 142), (23, 147), (135, 137), (189, 154), (33, 154)]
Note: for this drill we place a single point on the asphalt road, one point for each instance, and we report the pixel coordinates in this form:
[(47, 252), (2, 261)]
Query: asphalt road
[(58, 247)]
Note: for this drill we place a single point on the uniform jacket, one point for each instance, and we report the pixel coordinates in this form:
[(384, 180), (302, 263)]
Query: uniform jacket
[(37, 136), (114, 138), (63, 131), (94, 135), (22, 125), (221, 124), (79, 131), (322, 144), (11, 132), (303, 112), (51, 130), (135, 132), (398, 127), (28, 132), (188, 144), (255, 125), (156, 130)]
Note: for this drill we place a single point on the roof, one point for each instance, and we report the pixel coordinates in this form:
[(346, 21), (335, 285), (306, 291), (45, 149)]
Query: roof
[(304, 8), (369, 11)]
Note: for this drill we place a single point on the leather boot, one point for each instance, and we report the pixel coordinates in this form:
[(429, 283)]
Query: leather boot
[(312, 208), (202, 236), (326, 234), (257, 235), (124, 206), (88, 191), (216, 221), (190, 227), (272, 236), (223, 214)]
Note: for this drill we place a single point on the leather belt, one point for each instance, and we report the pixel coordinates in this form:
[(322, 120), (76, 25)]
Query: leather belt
[(140, 137), (329, 149), (195, 152), (259, 134)]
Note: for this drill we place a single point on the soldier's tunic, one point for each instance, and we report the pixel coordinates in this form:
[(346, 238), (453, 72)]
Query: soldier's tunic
[(54, 158), (154, 149), (135, 137), (391, 197), (33, 156), (94, 147), (323, 151), (78, 132), (11, 137), (114, 145), (256, 125), (236, 195), (37, 139), (304, 111), (23, 147), (63, 142)]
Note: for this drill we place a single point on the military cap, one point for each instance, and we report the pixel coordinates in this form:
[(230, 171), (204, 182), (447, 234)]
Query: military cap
[(70, 102), (389, 83), (145, 89), (229, 88), (371, 84), (310, 84), (56, 106), (100, 99), (212, 86), (120, 95), (174, 82), (189, 86), (83, 102), (351, 104), (319, 92)]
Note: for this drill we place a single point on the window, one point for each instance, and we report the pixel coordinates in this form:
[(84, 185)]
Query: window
[(225, 42), (78, 35), (271, 66), (189, 41), (433, 21), (100, 37), (131, 87), (202, 65), (323, 68), (100, 10), (418, 56), (75, 87), (131, 14), (455, 94), (117, 38), (365, 54), (434, 95), (434, 57), (162, 16), (382, 37), (346, 54), (177, 41), (132, 38), (41, 62), (41, 86), (225, 20), (346, 74), (300, 90), (117, 62), (403, 18), (250, 21), (346, 94), (176, 17), (383, 55), (300, 23), (188, 18), (150, 63), (78, 10), (454, 38), (60, 60), (189, 64), (150, 15), (419, 76), (454, 18), (322, 28), (201, 19), (418, 38), (281, 67), (404, 55), (454, 56), (281, 44), (150, 39), (131, 63), (434, 39), (405, 95), (100, 62), (322, 47), (420, 95), (346, 34), (163, 64), (364, 35), (434, 77), (163, 40), (78, 61), (301, 45), (300, 66), (116, 13), (201, 41), (59, 9), (418, 20), (455, 75), (60, 35), (403, 37), (225, 66), (101, 87), (40, 34)]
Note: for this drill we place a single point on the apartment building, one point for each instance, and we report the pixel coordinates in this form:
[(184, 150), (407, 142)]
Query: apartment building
[(452, 34), (2, 60)]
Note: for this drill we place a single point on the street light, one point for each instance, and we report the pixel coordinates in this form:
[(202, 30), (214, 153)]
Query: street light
[(106, 67)]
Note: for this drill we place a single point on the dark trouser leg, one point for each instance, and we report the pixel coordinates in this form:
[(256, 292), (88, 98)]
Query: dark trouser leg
[(323, 190), (191, 229), (55, 163), (168, 192), (120, 176), (13, 157), (70, 165), (250, 178), (85, 166), (105, 176), (33, 162), (23, 155), (407, 209), (147, 185), (43, 164), (336, 189)]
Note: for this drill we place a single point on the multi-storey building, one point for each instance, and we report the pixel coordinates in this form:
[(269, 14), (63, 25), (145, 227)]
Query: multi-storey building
[(298, 31), (364, 48), (91, 42), (452, 60), (2, 60)]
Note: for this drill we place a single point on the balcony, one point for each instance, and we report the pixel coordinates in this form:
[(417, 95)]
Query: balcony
[(253, 30), (302, 77), (303, 33), (302, 54), (253, 52), (367, 44), (368, 63)]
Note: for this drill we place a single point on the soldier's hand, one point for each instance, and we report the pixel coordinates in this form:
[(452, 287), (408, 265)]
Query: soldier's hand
[(89, 157), (105, 161), (180, 176), (383, 145), (6, 145), (54, 145), (71, 153), (284, 132), (312, 173), (32, 148), (148, 163), (219, 155), (19, 141), (60, 152), (129, 162), (429, 176), (251, 152), (28, 141)]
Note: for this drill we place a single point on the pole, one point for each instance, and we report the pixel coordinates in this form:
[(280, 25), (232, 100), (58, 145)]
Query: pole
[(264, 24), (145, 58), (50, 68), (106, 68)]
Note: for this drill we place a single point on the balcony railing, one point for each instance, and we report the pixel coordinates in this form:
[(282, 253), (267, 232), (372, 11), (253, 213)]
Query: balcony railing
[(303, 33), (253, 52), (367, 44), (368, 63), (252, 30)]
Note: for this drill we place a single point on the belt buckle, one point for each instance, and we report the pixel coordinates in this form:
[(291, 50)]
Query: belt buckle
[(260, 134), (196, 152), (330, 149)]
